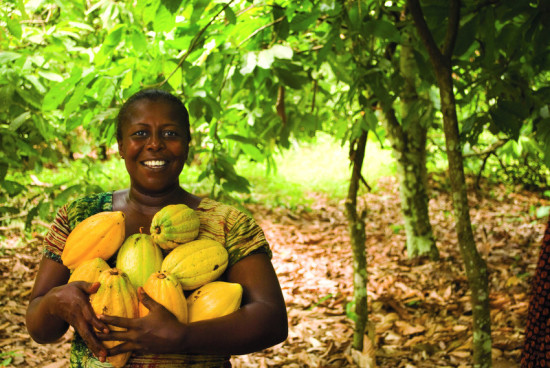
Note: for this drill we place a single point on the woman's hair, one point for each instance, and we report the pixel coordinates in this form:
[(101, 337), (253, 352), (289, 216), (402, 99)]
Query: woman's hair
[(179, 111)]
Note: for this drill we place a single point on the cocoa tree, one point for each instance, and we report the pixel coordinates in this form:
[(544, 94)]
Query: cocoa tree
[(475, 265)]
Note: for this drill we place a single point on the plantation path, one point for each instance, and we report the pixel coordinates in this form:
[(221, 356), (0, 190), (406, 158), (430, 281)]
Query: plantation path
[(420, 310)]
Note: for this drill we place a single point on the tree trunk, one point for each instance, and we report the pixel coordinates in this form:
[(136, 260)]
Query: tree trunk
[(408, 141), (476, 268), (358, 237)]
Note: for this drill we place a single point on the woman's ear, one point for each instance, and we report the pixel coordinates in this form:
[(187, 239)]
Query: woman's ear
[(120, 148)]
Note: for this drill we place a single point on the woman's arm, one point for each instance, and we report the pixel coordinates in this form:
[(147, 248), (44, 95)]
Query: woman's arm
[(54, 305), (259, 323)]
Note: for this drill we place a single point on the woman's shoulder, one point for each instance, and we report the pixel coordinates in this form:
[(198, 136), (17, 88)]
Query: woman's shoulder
[(211, 207)]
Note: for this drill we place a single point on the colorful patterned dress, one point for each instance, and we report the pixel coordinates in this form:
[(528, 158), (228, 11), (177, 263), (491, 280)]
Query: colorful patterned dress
[(536, 349), (240, 235)]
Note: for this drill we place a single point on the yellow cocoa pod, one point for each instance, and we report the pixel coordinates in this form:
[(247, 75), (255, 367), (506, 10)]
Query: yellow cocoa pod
[(115, 297), (99, 235), (89, 270), (173, 225), (165, 289), (139, 257), (215, 299), (196, 263)]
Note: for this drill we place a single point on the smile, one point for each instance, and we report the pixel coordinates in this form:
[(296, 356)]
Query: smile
[(155, 164)]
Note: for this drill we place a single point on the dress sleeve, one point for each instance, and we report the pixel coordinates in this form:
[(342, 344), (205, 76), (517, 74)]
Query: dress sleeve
[(244, 237), (54, 242), (536, 349)]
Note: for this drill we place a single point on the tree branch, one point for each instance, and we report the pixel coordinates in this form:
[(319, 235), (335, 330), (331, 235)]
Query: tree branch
[(452, 29), (425, 33), (261, 29), (194, 43)]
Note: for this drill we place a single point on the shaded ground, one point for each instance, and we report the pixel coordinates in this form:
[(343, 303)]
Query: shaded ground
[(420, 310)]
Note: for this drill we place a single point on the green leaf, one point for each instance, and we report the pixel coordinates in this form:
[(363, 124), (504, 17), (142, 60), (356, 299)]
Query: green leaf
[(54, 77), (466, 36), (115, 36), (291, 76), (230, 15), (58, 92), (304, 21), (171, 5), (18, 121), (76, 97), (14, 27), (65, 195), (176, 79), (253, 152), (3, 172), (240, 138), (164, 20), (7, 56), (383, 30), (13, 188), (139, 41), (33, 212), (508, 117), (198, 8)]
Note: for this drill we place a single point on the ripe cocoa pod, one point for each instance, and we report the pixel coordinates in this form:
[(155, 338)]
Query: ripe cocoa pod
[(99, 235), (89, 270), (115, 297), (139, 257), (196, 263), (215, 299), (173, 225), (165, 289)]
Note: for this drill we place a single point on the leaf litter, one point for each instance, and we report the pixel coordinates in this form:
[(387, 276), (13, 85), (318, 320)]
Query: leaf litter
[(420, 310)]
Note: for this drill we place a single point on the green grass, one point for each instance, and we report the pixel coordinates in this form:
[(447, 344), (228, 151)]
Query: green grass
[(320, 167)]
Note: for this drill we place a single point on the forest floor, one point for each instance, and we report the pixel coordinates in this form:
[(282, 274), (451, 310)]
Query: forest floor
[(419, 310)]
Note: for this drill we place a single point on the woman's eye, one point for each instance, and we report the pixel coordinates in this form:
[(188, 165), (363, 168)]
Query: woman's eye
[(170, 133), (140, 133)]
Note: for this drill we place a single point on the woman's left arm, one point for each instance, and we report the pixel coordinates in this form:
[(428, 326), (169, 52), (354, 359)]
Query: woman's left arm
[(261, 321)]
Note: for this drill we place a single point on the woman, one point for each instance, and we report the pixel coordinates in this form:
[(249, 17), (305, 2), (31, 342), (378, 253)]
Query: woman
[(153, 139)]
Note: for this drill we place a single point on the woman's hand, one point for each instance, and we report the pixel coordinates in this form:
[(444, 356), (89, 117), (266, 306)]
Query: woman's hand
[(71, 302), (54, 305), (159, 332)]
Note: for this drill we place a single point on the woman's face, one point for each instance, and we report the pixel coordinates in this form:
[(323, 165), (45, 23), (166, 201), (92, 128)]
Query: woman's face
[(153, 145)]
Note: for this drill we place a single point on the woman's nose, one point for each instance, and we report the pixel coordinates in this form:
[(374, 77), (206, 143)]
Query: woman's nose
[(155, 142)]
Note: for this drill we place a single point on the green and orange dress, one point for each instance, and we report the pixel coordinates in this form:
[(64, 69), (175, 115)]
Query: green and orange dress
[(237, 231)]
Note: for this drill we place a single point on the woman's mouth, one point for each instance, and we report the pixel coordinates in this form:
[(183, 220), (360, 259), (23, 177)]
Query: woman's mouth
[(155, 164)]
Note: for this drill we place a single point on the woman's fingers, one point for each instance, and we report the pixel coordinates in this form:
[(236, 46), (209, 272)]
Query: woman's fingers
[(114, 336), (116, 321), (92, 288), (146, 300), (91, 340), (125, 347)]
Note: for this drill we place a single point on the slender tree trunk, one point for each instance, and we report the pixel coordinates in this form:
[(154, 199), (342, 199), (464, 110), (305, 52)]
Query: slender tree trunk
[(357, 234), (408, 141), (476, 268)]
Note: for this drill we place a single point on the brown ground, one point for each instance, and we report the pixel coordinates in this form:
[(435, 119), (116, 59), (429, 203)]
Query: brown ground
[(420, 310)]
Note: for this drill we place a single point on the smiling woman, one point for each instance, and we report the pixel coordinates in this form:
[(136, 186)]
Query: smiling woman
[(153, 137)]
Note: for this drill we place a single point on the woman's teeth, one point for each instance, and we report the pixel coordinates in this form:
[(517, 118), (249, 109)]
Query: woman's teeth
[(154, 164)]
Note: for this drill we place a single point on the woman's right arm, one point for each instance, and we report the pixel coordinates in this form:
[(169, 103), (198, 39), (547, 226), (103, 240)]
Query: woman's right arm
[(54, 305)]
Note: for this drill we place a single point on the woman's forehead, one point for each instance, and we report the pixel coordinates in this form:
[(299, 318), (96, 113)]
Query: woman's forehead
[(156, 107)]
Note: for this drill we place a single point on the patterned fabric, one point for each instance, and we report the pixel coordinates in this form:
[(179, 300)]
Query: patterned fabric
[(239, 233), (536, 349)]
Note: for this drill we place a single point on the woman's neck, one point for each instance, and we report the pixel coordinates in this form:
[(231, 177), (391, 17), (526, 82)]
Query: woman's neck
[(152, 202)]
